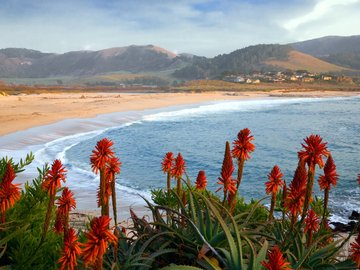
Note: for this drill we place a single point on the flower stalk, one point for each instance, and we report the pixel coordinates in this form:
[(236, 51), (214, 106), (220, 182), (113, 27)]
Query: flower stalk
[(329, 178), (311, 225), (272, 187), (65, 204), (51, 184), (284, 195), (99, 158), (295, 195), (226, 180), (312, 154), (70, 251), (113, 168), (98, 239), (177, 170), (167, 164), (242, 147), (201, 181)]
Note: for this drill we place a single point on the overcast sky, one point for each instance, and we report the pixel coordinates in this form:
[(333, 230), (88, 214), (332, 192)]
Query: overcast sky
[(201, 27)]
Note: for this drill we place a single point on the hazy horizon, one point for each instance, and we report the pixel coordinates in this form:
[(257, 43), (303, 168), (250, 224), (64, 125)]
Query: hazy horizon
[(200, 27)]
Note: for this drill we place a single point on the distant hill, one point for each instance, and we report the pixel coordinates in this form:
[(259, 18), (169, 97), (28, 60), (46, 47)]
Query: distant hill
[(301, 61), (25, 63), (245, 60), (158, 66), (259, 58), (343, 51)]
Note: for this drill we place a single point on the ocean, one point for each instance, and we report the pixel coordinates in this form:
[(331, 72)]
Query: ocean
[(199, 132)]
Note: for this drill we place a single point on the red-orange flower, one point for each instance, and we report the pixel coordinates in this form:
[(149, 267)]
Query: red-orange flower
[(314, 150), (9, 174), (59, 223), (276, 260), (66, 202), (227, 169), (98, 239), (242, 147), (179, 167), (101, 154), (358, 179), (167, 162), (311, 222), (355, 251), (330, 176), (201, 181), (275, 181), (55, 175), (9, 192), (112, 168), (107, 193), (70, 251), (296, 193)]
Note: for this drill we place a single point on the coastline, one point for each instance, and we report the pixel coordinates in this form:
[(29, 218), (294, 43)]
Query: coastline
[(27, 111), (86, 195)]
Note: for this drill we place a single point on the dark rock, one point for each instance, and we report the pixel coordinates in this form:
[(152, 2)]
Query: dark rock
[(354, 215), (341, 227)]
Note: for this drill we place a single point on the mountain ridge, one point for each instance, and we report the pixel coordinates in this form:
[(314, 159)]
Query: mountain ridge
[(20, 62), (318, 55), (338, 50)]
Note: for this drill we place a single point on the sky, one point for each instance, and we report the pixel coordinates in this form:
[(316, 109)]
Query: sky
[(201, 27)]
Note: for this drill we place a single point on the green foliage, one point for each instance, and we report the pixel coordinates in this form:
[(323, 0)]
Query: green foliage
[(235, 241), (162, 197), (259, 213), (318, 206), (320, 254), (180, 267), (18, 167), (200, 233), (27, 219)]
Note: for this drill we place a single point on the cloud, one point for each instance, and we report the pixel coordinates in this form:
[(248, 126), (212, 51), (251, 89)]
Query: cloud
[(202, 27), (319, 11)]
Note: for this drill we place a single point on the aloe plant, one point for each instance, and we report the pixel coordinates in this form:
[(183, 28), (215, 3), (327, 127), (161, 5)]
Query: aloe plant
[(211, 235)]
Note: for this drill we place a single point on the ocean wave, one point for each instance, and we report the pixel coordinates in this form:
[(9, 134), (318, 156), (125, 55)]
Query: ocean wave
[(132, 191), (338, 218), (231, 106), (57, 149)]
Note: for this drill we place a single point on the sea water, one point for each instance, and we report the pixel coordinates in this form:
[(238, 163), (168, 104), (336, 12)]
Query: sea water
[(199, 132)]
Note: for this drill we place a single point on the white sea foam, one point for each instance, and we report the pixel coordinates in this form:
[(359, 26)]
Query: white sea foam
[(128, 190), (337, 218), (230, 106), (57, 149)]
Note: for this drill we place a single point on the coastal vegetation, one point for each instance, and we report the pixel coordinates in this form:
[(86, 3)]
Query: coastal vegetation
[(189, 227), (194, 86)]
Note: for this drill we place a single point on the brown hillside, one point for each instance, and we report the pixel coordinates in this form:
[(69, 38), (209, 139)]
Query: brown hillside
[(302, 61)]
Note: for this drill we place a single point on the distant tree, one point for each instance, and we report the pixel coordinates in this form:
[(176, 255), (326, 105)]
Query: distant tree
[(243, 61)]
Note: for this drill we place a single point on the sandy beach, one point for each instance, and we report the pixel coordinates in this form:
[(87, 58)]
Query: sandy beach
[(25, 111)]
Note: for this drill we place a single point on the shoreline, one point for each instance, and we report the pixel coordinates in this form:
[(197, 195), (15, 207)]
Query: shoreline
[(18, 113), (86, 194)]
